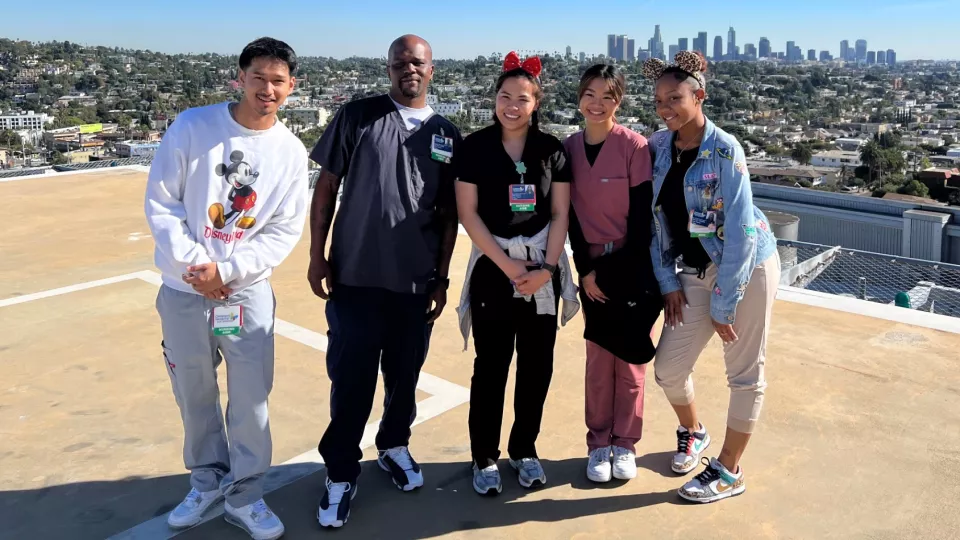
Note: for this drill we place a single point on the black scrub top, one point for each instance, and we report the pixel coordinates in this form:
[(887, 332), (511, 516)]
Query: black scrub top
[(482, 160)]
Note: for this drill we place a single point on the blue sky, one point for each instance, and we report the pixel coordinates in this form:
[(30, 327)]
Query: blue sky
[(462, 30)]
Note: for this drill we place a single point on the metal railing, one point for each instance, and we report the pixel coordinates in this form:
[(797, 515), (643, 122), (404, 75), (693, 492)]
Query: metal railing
[(917, 284)]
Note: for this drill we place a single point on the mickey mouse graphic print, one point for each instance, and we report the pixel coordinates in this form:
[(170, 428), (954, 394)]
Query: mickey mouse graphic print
[(240, 176)]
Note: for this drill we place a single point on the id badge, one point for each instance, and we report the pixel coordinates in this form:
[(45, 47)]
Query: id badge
[(703, 224), (227, 320), (441, 149), (523, 197)]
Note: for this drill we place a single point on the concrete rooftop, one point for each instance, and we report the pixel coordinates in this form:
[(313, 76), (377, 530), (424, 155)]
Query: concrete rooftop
[(858, 438)]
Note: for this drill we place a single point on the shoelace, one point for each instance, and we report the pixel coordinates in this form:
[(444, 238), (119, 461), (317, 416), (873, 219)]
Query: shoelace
[(599, 455), (193, 499), (708, 475), (402, 457), (491, 472), (260, 512), (621, 454), (683, 442), (336, 490), (531, 466)]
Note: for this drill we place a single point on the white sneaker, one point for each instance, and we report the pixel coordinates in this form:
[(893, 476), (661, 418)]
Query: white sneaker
[(190, 511), (529, 472), (624, 464), (690, 446), (713, 484), (404, 471), (334, 510), (598, 467), (257, 519)]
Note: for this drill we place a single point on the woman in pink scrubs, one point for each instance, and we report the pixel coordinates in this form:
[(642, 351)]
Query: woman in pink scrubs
[(610, 235)]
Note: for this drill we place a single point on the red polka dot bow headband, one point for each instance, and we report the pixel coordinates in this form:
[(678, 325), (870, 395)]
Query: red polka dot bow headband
[(531, 65)]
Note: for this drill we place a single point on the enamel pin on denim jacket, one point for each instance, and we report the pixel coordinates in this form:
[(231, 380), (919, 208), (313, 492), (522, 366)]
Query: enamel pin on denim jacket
[(716, 185)]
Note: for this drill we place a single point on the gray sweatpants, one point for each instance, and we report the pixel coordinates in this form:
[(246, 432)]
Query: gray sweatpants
[(232, 460)]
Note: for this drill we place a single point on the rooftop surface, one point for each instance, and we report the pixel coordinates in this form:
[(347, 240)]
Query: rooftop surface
[(859, 437)]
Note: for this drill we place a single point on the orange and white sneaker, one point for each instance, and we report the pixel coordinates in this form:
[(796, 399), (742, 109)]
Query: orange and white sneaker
[(713, 484)]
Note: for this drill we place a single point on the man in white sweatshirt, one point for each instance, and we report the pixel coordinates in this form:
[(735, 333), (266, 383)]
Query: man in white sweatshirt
[(226, 203)]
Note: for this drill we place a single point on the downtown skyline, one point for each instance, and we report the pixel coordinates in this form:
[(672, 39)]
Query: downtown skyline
[(463, 32)]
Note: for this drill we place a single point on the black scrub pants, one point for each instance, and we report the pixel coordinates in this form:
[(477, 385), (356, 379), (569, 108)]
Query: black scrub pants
[(502, 324), (371, 329)]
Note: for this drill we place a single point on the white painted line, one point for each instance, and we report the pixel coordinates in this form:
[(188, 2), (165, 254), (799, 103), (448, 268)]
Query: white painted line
[(445, 396), (866, 308), (65, 290)]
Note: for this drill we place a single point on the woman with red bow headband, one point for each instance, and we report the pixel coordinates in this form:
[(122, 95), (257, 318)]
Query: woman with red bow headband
[(513, 198)]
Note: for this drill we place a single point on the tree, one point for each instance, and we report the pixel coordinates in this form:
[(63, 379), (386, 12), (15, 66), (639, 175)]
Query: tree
[(802, 153), (59, 159), (915, 188), (10, 138)]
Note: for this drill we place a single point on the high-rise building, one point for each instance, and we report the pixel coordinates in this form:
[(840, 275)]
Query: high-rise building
[(700, 43), (569, 54), (882, 58), (764, 48), (611, 45), (891, 57), (861, 50), (781, 56), (656, 44), (732, 44), (643, 55), (871, 58), (684, 44), (750, 51), (718, 48), (844, 49), (812, 55), (674, 49), (631, 50), (789, 51), (583, 57), (825, 56)]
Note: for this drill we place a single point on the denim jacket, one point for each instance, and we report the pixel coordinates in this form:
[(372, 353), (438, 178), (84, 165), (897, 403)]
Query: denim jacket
[(717, 181)]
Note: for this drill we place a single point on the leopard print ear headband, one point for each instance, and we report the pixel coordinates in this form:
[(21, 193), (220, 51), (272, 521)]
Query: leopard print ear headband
[(687, 61)]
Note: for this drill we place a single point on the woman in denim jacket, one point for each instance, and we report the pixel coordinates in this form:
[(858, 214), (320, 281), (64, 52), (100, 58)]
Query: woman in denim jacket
[(706, 225)]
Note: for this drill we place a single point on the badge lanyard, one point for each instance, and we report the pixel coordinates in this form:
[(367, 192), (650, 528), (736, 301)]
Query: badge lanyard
[(523, 196)]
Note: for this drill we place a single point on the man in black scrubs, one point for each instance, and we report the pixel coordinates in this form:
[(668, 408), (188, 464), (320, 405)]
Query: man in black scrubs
[(389, 258)]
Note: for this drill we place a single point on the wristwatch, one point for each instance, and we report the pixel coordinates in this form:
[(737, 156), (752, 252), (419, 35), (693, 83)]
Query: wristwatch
[(549, 268), (445, 282)]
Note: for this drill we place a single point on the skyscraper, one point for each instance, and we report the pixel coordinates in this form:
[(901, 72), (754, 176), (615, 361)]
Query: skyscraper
[(631, 50), (764, 48), (673, 51), (583, 57), (656, 44), (789, 50), (882, 58), (812, 55), (844, 49), (861, 50), (825, 56), (732, 44), (700, 43), (684, 44), (569, 54), (891, 57), (871, 57), (611, 45), (718, 48), (750, 51)]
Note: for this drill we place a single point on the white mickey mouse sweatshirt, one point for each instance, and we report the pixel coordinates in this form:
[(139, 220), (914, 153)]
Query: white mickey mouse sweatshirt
[(219, 192)]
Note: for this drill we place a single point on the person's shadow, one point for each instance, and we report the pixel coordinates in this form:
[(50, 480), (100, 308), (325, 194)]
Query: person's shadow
[(447, 502)]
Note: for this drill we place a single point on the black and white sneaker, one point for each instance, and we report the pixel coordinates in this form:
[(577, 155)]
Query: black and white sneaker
[(335, 505), (404, 471)]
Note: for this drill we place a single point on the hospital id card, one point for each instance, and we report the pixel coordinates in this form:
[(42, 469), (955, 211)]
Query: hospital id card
[(441, 149), (523, 197), (227, 320), (703, 224)]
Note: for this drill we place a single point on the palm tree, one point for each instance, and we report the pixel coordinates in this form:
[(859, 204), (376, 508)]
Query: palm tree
[(871, 155)]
